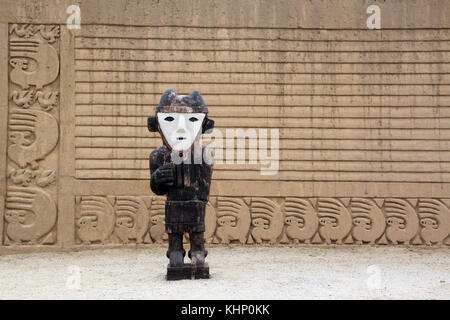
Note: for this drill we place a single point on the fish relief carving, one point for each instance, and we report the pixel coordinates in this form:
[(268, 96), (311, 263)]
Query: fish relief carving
[(233, 220), (132, 219), (33, 134), (24, 98), (34, 63), (402, 221), (45, 178), (22, 177), (157, 230), (30, 214), (267, 220), (334, 219), (434, 220), (96, 219), (25, 31), (369, 222), (301, 219), (49, 33), (47, 100)]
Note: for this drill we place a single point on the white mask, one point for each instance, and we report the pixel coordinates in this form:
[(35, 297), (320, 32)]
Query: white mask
[(180, 129)]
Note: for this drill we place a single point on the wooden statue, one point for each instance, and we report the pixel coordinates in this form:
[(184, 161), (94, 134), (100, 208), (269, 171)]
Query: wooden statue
[(181, 169)]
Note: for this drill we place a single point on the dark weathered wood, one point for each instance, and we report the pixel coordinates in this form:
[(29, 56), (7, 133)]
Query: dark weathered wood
[(187, 271)]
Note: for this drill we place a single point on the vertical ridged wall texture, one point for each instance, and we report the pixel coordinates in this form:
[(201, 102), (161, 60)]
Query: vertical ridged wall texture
[(363, 118)]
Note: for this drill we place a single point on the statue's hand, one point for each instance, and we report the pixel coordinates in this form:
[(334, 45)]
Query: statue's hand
[(164, 175)]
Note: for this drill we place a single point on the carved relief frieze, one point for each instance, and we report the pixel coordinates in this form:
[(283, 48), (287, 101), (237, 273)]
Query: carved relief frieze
[(259, 220), (33, 134)]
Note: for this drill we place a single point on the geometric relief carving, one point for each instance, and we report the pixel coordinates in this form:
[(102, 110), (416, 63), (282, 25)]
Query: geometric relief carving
[(434, 220), (25, 51), (25, 208), (233, 217), (368, 220), (301, 219), (267, 220), (95, 219), (33, 134), (334, 219), (402, 221), (131, 219), (157, 230)]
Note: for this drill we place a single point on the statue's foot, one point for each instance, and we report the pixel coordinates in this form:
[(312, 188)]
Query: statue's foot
[(198, 258), (176, 258)]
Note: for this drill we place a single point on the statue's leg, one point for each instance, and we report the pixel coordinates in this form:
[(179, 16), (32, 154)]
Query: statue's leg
[(176, 251), (197, 253)]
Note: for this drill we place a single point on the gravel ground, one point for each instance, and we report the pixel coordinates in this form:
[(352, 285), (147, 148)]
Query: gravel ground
[(250, 272)]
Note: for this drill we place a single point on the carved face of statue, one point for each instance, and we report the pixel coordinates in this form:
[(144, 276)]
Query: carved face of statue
[(180, 130)]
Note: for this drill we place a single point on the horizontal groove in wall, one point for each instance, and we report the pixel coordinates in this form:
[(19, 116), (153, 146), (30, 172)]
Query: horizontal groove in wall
[(81, 39), (256, 100), (231, 63), (281, 51), (277, 94), (317, 133), (81, 117), (231, 122), (137, 180), (199, 78), (265, 32), (361, 155), (288, 57), (270, 90), (284, 165), (284, 176)]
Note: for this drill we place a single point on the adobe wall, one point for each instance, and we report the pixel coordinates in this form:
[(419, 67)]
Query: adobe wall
[(363, 118)]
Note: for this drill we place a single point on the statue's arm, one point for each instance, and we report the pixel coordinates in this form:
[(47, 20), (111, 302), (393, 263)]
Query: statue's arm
[(161, 176)]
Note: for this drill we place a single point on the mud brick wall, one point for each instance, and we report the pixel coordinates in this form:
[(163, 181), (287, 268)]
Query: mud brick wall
[(363, 118)]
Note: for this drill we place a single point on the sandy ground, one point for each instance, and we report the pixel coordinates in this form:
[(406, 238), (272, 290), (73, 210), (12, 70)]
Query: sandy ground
[(249, 272)]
